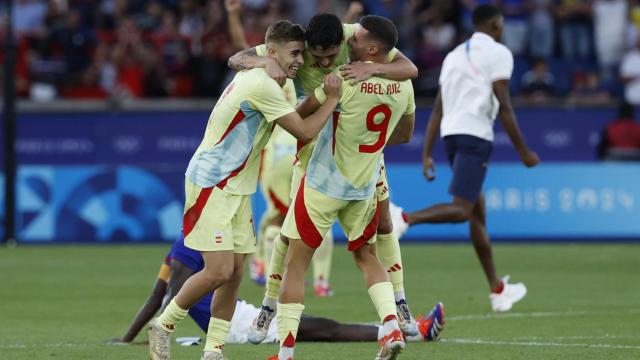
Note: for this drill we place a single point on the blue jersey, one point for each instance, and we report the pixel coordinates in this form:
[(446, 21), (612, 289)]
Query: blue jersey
[(201, 311)]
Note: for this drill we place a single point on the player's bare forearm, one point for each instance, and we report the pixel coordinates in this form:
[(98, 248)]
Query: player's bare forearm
[(245, 59), (403, 132), (432, 127), (146, 312), (308, 106), (305, 130), (507, 115), (399, 69)]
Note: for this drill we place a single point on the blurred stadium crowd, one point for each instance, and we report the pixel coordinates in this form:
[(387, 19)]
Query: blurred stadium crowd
[(579, 51)]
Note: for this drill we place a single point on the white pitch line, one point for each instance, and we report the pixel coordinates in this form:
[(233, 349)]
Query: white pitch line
[(534, 314), (603, 337), (518, 315), (54, 345), (535, 343)]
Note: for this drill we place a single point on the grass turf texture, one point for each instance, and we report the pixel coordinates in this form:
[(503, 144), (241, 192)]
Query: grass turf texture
[(584, 303)]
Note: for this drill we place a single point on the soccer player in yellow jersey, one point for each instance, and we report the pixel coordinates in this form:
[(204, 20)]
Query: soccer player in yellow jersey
[(276, 170), (327, 50), (220, 179), (340, 185)]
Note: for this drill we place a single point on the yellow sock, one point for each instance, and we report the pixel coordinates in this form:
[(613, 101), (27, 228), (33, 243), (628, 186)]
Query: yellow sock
[(217, 335), (269, 237), (388, 249), (172, 315), (276, 268), (382, 296), (321, 261), (288, 320)]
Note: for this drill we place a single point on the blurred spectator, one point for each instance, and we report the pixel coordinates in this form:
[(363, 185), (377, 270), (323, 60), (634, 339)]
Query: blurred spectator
[(150, 19), (634, 22), (516, 25), (111, 13), (609, 25), (180, 48), (211, 67), (438, 38), (620, 140), (191, 24), (28, 17), (542, 33), (87, 87), (574, 18), (587, 90), (538, 84), (630, 74), (173, 49), (127, 56), (76, 41)]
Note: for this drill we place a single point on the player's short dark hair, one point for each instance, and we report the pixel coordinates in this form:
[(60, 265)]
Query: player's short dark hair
[(324, 31), (483, 14), (381, 30), (284, 31)]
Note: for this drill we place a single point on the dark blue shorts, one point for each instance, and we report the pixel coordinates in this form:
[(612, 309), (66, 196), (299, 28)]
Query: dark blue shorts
[(469, 158)]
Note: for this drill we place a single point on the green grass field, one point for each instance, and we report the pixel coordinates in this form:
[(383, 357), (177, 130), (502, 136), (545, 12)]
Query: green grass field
[(583, 303)]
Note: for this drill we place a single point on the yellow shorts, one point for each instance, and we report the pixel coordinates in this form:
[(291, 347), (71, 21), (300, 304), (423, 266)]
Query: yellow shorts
[(382, 186), (312, 214), (215, 220), (276, 187)]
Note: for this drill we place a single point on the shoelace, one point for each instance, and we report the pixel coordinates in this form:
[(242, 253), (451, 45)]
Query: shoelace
[(404, 311), (262, 318)]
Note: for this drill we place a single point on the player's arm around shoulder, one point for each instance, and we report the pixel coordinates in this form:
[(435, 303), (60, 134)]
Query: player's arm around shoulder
[(398, 68), (256, 57)]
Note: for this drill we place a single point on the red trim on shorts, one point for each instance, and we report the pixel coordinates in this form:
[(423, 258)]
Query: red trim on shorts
[(193, 214), (306, 228), (336, 116), (380, 183), (236, 120), (368, 232), (282, 208)]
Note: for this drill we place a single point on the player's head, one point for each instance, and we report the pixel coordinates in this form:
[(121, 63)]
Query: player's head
[(324, 38), (373, 39), (285, 44), (488, 19)]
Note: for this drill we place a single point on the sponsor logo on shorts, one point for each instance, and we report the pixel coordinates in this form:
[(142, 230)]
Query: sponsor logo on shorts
[(218, 235)]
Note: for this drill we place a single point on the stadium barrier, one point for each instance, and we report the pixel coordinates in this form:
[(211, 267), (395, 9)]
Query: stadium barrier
[(98, 174)]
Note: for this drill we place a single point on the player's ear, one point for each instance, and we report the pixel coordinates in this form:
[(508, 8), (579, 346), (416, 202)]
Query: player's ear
[(373, 49), (272, 52)]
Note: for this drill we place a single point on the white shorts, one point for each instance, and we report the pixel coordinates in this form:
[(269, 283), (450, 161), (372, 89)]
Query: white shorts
[(241, 323)]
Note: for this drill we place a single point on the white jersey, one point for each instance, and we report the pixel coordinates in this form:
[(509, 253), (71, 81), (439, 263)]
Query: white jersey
[(466, 86)]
